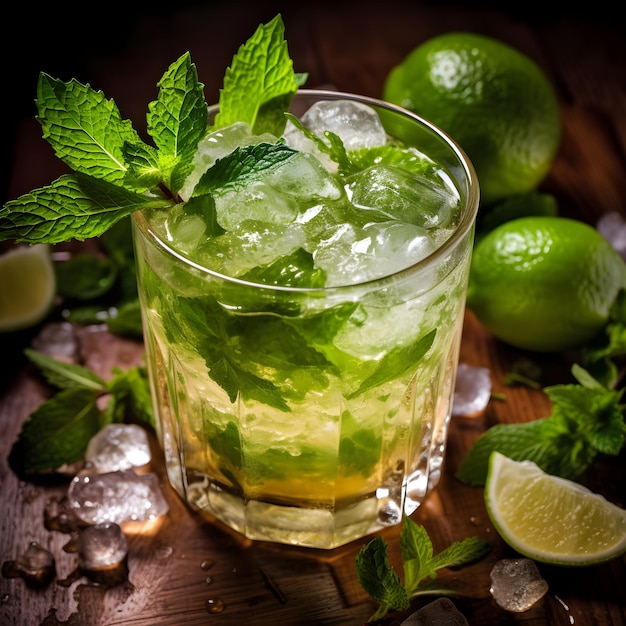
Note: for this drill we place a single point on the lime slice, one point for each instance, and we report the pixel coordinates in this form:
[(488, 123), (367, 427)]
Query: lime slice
[(27, 286), (550, 519)]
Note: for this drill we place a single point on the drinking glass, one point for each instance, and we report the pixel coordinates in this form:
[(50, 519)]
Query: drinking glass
[(313, 416)]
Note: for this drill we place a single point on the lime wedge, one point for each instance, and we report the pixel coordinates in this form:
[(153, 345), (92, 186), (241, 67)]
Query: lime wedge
[(550, 519), (27, 286)]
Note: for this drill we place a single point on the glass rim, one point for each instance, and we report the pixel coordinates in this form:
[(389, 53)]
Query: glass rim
[(469, 208)]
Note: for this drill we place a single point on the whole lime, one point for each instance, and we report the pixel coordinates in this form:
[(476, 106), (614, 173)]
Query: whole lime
[(494, 101), (544, 284)]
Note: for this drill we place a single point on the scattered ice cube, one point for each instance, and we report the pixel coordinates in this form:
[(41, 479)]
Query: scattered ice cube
[(116, 497), (118, 447), (101, 546), (406, 197), (58, 340), (472, 391), (612, 227), (440, 612), (353, 255), (517, 584), (36, 566)]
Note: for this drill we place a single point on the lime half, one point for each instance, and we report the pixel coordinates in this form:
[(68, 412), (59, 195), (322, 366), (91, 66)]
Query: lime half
[(550, 519), (27, 286)]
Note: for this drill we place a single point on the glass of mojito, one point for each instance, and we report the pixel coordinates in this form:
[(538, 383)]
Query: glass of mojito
[(303, 329)]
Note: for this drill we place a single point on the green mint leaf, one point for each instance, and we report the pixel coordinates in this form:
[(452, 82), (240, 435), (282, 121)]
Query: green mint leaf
[(417, 553), (85, 129), (130, 398), (242, 166), (335, 149), (395, 362), (589, 419), (65, 375), (517, 441), (461, 553), (294, 270), (57, 432), (379, 579), (144, 167), (85, 276), (229, 366), (126, 322), (177, 120), (260, 83), (72, 207)]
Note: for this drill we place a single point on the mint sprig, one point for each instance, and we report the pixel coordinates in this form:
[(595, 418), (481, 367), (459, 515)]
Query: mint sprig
[(420, 564), (115, 173), (58, 431), (587, 419), (260, 83)]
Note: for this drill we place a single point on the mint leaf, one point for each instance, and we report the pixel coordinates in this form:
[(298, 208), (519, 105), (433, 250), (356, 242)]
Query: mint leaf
[(130, 397), (395, 362), (57, 432), (74, 206), (260, 83), (85, 130), (417, 553), (379, 579), (460, 553), (65, 375), (335, 149), (85, 276), (586, 419), (517, 441), (242, 166), (177, 121)]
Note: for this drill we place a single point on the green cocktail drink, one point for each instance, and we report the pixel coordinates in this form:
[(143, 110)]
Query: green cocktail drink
[(303, 332)]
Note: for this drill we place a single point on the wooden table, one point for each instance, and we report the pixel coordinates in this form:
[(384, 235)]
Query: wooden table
[(182, 569)]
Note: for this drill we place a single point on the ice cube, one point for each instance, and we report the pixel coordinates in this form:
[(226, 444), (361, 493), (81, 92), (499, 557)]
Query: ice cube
[(517, 584), (407, 197), (357, 124), (250, 244), (612, 227), (101, 546), (258, 201), (440, 612), (472, 390), (216, 145), (118, 447), (36, 565), (116, 497), (59, 341), (353, 255)]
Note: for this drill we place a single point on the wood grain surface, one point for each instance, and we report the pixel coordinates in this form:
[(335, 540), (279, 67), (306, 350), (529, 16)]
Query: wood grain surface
[(184, 570)]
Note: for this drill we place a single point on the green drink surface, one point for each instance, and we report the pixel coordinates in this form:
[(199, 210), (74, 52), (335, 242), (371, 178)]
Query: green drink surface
[(309, 221)]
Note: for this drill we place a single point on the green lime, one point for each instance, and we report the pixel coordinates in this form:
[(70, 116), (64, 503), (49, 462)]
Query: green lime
[(27, 286), (551, 519), (492, 99), (545, 284)]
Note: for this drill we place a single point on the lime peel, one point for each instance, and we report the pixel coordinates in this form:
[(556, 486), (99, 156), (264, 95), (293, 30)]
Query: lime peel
[(551, 519), (27, 286)]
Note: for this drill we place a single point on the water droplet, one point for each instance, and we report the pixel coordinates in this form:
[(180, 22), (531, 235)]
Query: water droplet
[(214, 605), (208, 580), (207, 565)]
